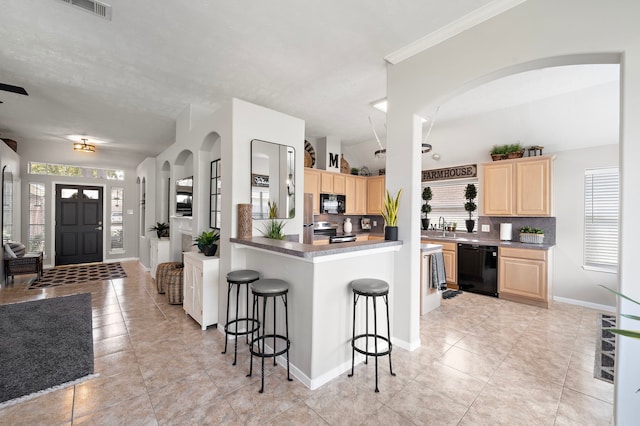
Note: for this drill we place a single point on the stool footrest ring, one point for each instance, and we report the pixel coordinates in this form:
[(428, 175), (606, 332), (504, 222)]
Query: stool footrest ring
[(254, 322), (364, 352), (264, 338)]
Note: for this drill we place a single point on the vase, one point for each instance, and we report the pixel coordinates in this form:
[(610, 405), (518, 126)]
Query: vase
[(348, 226), (425, 224), (210, 250), (245, 221), (470, 224), (391, 233)]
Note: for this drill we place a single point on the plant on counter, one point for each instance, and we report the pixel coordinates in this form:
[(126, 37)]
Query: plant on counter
[(207, 242), (273, 209), (531, 235), (389, 213), (501, 152), (355, 171), (470, 194), (273, 229), (161, 228), (427, 195)]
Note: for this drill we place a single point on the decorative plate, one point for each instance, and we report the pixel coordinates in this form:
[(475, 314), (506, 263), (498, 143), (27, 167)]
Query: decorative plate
[(309, 148)]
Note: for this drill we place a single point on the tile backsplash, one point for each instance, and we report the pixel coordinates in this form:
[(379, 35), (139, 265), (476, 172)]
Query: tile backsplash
[(547, 224), (355, 220)]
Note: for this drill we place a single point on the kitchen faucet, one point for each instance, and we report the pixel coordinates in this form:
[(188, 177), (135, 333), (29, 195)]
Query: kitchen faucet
[(442, 223)]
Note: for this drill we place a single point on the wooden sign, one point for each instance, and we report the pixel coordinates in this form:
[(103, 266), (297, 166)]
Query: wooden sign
[(456, 172), (260, 180)]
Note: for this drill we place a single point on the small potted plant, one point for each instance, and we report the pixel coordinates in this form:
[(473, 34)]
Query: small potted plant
[(531, 235), (161, 228), (389, 213), (507, 151), (427, 195), (207, 242), (273, 228), (470, 193)]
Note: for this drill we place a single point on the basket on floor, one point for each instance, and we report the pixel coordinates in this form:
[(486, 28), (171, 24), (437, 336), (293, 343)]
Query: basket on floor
[(174, 287), (161, 274)]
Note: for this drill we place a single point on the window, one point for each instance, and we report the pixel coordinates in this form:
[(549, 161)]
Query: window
[(448, 202), (35, 237), (116, 226), (215, 194), (601, 222), (36, 168)]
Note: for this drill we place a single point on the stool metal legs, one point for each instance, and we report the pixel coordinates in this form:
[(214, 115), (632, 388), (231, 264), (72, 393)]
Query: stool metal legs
[(248, 320), (367, 335)]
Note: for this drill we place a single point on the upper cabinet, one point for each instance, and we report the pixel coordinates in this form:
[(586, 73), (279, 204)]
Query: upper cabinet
[(520, 187), (332, 183), (312, 186), (375, 194), (356, 194)]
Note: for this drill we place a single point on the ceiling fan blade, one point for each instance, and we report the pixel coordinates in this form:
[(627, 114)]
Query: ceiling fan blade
[(13, 89)]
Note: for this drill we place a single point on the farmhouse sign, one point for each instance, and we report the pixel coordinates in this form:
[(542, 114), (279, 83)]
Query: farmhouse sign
[(260, 180), (457, 172)]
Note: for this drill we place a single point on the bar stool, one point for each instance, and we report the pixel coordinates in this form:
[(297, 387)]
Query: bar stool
[(238, 279), (374, 288), (269, 289)]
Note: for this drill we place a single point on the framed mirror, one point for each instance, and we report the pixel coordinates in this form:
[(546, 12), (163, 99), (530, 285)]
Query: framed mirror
[(272, 179), (184, 196), (7, 204)]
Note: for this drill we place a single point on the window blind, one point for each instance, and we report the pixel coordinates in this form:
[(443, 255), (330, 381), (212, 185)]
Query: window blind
[(448, 202), (601, 218)]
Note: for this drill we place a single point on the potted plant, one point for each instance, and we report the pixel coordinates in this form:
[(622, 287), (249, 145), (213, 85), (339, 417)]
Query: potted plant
[(470, 193), (531, 235), (161, 228), (273, 229), (207, 242), (389, 213), (503, 152), (427, 195)]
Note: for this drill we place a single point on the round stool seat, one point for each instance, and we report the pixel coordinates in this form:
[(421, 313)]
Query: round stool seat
[(269, 287), (370, 286), (242, 276)]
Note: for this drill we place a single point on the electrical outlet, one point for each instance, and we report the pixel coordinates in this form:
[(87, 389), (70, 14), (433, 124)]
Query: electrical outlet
[(485, 228), (375, 223)]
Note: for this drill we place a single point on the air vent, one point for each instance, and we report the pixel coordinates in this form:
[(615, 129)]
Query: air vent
[(103, 10)]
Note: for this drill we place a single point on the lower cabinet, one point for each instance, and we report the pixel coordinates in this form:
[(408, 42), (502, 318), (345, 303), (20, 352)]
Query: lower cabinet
[(450, 257), (524, 275), (201, 275), (160, 252)]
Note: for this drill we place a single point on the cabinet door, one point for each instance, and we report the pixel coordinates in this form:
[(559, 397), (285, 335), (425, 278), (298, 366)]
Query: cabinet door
[(522, 277), (350, 193), (197, 295), (339, 184), (497, 189), (533, 188), (450, 266), (187, 282), (375, 194), (326, 182), (361, 196), (312, 186)]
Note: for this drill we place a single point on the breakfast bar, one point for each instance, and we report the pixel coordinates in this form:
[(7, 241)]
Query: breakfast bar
[(320, 300)]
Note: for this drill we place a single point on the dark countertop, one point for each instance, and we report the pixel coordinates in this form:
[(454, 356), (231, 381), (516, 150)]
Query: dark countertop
[(310, 250), (474, 238)]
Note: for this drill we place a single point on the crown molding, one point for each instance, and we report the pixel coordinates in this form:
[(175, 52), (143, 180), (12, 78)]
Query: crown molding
[(470, 20)]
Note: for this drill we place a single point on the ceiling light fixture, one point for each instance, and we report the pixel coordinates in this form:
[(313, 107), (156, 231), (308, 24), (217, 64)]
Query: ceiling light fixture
[(84, 146)]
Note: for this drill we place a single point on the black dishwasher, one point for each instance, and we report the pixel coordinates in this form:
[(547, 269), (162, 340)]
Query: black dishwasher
[(478, 269)]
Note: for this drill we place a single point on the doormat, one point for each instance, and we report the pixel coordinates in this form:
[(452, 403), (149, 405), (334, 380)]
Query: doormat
[(79, 274), (605, 349), (45, 343), (448, 294)]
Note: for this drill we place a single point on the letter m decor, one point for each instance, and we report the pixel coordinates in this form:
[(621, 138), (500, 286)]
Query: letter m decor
[(333, 160)]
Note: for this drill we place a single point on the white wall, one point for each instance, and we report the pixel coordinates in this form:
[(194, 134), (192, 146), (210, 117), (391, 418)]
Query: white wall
[(570, 280), (11, 160), (535, 34)]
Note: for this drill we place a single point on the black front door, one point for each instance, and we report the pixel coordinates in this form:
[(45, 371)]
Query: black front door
[(78, 224)]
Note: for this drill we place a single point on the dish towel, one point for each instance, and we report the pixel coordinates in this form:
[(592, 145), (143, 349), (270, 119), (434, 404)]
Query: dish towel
[(438, 275)]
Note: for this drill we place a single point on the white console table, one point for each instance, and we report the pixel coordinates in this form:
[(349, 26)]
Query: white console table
[(160, 252), (201, 275)]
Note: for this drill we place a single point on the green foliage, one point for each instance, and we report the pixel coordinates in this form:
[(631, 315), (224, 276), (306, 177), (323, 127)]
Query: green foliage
[(160, 226), (629, 333), (470, 193), (273, 229), (273, 209), (390, 209), (207, 238), (530, 230), (506, 149), (427, 195), (355, 170)]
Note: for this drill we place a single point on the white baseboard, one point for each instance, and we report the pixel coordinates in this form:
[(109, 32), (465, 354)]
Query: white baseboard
[(597, 306), (124, 259), (407, 346)]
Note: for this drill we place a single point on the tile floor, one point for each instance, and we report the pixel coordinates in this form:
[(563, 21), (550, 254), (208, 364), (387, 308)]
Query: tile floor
[(483, 361)]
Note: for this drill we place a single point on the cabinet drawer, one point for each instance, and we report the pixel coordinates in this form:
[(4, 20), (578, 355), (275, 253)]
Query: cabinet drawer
[(521, 253)]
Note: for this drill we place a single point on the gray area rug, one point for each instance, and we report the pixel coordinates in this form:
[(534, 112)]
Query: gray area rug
[(44, 343), (605, 349)]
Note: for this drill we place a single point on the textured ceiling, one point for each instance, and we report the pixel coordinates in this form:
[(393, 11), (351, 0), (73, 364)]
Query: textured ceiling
[(125, 81)]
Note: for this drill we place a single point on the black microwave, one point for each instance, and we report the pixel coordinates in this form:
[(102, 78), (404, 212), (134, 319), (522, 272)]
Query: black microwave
[(333, 203)]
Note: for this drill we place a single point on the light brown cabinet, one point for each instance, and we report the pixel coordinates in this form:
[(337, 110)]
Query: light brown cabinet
[(524, 275), (356, 193), (332, 183), (521, 187), (312, 186), (375, 194), (450, 257)]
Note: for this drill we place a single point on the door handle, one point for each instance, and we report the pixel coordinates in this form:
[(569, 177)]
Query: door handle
[(99, 228)]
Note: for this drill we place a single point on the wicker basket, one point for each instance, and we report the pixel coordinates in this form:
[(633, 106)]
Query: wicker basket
[(515, 154), (174, 286), (498, 157), (161, 274), (531, 238), (344, 165)]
